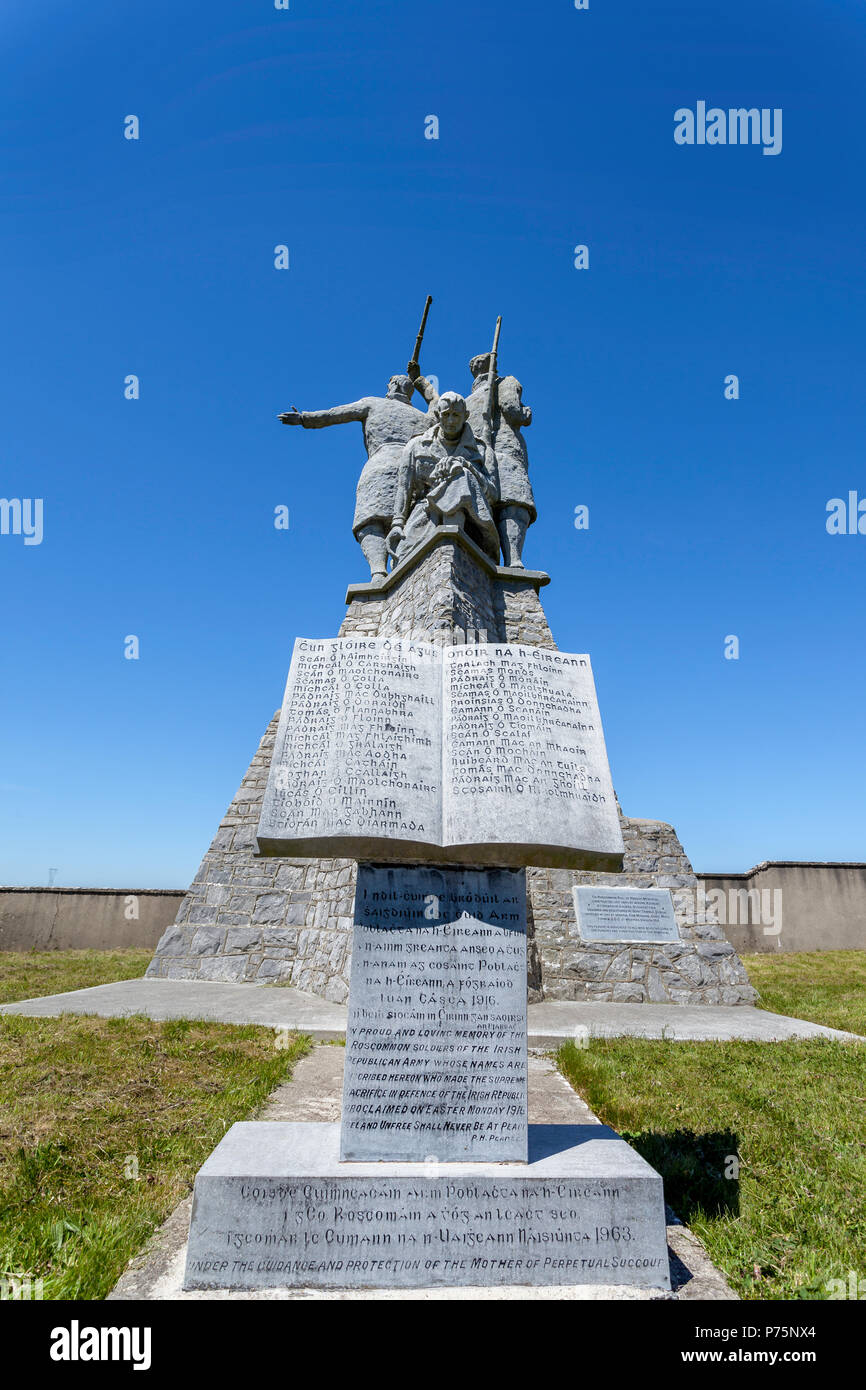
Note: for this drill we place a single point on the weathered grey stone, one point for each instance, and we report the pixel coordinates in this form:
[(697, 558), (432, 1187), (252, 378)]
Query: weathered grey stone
[(242, 939), (436, 1037), (295, 914), (656, 992), (620, 968), (692, 968), (715, 950), (514, 507), (173, 942), (206, 941), (628, 993), (222, 968), (270, 907), (290, 876), (554, 804), (202, 915), (279, 936), (336, 990), (271, 969), (585, 1209), (587, 965), (178, 970)]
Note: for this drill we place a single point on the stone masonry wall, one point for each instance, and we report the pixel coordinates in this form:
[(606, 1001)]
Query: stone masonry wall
[(247, 918), (702, 968), (449, 596), (270, 920)]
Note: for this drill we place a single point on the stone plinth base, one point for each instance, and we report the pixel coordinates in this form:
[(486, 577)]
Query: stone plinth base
[(274, 1207)]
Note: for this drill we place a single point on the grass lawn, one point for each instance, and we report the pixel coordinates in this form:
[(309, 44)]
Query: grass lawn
[(32, 974), (792, 1116), (103, 1125), (823, 986), (762, 1147)]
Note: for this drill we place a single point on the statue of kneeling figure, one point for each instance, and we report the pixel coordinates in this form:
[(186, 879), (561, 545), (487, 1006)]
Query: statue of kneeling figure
[(444, 480)]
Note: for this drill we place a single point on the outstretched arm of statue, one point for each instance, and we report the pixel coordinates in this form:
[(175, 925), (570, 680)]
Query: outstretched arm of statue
[(337, 415), (509, 395)]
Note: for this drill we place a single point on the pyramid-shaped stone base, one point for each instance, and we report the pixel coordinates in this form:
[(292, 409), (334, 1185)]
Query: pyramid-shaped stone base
[(290, 920)]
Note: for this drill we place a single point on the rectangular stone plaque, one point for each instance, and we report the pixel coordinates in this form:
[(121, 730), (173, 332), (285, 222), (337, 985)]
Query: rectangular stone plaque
[(274, 1207), (436, 1034), (625, 914), (393, 750)]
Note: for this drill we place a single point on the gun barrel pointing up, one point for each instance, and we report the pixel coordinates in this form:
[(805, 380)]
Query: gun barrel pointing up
[(416, 355)]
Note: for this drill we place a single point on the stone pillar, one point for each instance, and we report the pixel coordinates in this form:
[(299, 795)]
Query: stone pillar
[(448, 591)]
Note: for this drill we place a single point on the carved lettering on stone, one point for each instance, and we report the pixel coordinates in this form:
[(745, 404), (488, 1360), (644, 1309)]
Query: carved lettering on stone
[(436, 1039), (625, 914), (485, 753)]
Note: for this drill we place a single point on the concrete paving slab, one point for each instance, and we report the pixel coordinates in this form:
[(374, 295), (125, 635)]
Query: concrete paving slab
[(196, 999), (549, 1024), (314, 1092)]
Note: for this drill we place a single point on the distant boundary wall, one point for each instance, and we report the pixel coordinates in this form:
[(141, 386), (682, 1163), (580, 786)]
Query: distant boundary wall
[(76, 919), (791, 905), (780, 905)]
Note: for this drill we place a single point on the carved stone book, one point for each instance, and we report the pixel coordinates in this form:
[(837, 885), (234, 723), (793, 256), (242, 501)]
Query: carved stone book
[(390, 750)]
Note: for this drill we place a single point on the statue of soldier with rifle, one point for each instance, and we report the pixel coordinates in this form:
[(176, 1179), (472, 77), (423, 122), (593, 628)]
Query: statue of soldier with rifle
[(497, 415), (389, 422)]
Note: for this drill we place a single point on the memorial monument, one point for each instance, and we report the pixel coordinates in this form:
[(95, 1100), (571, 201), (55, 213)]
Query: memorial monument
[(268, 907), (434, 801)]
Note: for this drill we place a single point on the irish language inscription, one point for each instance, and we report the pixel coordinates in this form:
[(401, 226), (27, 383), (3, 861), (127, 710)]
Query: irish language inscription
[(436, 1040), (395, 750), (585, 1209), (525, 760), (358, 752)]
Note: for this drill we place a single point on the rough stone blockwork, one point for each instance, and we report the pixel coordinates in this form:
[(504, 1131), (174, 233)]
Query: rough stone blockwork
[(290, 920), (702, 969)]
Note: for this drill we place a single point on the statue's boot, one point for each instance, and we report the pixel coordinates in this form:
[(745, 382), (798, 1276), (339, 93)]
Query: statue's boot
[(375, 550), (513, 525)]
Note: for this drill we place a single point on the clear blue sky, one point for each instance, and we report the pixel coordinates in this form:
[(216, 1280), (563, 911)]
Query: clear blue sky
[(306, 127)]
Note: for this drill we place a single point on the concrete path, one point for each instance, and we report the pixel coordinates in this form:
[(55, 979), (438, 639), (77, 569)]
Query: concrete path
[(315, 1093), (549, 1024), (218, 1003), (552, 1023)]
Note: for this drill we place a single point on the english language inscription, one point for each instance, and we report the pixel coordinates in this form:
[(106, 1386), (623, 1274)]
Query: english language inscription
[(625, 914), (436, 1037), (274, 1207)]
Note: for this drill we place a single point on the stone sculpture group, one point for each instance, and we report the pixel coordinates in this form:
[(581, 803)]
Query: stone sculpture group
[(463, 463)]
